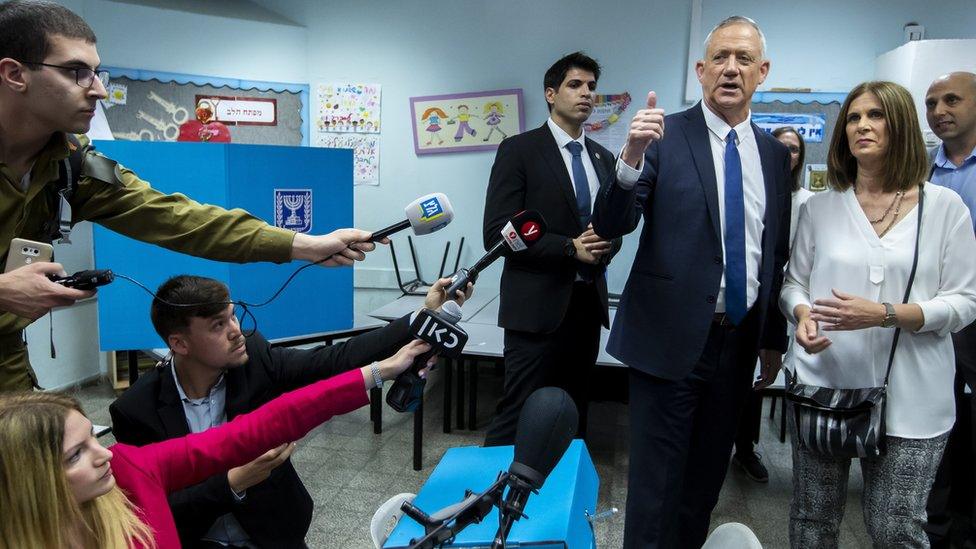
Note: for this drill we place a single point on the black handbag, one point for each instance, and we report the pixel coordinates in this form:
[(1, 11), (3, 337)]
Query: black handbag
[(846, 423)]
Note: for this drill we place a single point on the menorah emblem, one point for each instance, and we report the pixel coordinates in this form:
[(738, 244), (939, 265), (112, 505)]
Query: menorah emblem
[(298, 202)]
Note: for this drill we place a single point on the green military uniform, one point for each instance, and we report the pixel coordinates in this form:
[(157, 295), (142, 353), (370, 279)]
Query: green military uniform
[(132, 208)]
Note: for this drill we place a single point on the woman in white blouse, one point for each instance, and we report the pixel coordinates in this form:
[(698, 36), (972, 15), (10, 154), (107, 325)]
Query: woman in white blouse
[(847, 276)]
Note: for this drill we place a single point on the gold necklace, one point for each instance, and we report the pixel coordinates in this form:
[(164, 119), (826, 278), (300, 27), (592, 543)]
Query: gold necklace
[(895, 200), (893, 218)]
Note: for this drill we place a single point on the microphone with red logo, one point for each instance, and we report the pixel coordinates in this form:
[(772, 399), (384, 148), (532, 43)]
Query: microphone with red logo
[(522, 231)]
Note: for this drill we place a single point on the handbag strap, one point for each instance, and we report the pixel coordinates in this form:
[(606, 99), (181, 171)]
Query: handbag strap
[(911, 280)]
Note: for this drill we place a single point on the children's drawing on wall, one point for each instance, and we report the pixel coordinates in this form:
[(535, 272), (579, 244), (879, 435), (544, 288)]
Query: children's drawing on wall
[(476, 121), (347, 107), (494, 112), (432, 118), (607, 124), (366, 153), (463, 121)]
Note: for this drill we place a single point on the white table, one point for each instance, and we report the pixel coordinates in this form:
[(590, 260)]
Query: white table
[(407, 304)]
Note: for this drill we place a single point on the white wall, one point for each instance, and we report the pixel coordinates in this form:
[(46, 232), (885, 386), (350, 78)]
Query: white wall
[(140, 37), (424, 47)]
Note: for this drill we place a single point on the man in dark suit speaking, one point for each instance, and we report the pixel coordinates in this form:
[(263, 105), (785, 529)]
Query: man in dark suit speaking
[(553, 295), (701, 299), (216, 373)]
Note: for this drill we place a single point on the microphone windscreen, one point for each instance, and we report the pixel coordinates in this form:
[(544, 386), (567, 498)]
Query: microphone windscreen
[(452, 310), (546, 426), (429, 213), (524, 230)]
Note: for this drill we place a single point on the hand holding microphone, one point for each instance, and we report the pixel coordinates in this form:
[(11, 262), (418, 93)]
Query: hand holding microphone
[(344, 247), (427, 214), (439, 330), (522, 231)]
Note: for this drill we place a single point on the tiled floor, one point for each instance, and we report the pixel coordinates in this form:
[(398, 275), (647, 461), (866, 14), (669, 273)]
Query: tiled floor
[(349, 471)]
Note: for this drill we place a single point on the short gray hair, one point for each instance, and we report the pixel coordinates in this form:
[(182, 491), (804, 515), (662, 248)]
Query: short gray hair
[(739, 20)]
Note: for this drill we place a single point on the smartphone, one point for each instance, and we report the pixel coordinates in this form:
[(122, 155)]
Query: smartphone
[(24, 252)]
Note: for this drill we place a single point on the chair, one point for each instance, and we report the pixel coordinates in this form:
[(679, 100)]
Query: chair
[(386, 517), (732, 535)]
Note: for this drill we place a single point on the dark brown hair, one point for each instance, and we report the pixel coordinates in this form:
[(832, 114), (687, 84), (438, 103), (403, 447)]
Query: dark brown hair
[(27, 26), (796, 171), (906, 163), (203, 297)]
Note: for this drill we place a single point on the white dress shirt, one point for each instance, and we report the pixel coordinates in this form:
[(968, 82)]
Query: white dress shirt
[(837, 248), (563, 139), (753, 191)]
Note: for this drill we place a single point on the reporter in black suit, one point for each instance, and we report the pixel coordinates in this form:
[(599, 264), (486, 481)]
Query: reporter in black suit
[(553, 295), (216, 373)]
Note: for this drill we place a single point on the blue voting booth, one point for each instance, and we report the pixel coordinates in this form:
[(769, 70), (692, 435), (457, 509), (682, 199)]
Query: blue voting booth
[(555, 517), (305, 189)]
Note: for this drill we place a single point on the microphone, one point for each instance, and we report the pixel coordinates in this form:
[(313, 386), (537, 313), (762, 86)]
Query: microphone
[(429, 213), (522, 231), (546, 426), (440, 330)]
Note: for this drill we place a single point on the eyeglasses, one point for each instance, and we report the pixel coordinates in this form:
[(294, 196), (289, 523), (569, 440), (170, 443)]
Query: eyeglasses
[(84, 76), (793, 149)]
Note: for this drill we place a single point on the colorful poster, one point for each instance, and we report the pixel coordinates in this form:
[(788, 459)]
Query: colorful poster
[(607, 124), (809, 126), (464, 122), (366, 153), (347, 108)]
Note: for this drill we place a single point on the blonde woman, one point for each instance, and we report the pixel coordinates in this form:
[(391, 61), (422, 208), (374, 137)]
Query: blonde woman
[(847, 276), (60, 488)]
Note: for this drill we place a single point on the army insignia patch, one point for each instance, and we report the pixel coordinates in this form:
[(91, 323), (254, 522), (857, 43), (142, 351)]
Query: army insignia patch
[(293, 209)]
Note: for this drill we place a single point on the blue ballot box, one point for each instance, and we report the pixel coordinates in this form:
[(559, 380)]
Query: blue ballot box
[(555, 517), (297, 188)]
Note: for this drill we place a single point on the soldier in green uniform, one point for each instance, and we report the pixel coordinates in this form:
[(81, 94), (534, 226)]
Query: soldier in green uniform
[(49, 85)]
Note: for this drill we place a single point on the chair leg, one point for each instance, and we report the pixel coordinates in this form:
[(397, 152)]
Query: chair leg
[(473, 395), (782, 420), (772, 408), (376, 409), (460, 394), (448, 390), (418, 435)]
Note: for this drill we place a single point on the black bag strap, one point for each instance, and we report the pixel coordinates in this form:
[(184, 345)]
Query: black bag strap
[(911, 280)]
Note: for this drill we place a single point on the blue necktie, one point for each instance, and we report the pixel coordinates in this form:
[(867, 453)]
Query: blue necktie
[(735, 234), (582, 185)]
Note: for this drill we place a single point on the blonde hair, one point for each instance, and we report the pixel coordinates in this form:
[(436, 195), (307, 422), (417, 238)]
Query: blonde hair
[(906, 163), (497, 104), (36, 502)]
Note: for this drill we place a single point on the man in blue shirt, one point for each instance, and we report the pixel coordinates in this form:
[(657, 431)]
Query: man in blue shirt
[(950, 106)]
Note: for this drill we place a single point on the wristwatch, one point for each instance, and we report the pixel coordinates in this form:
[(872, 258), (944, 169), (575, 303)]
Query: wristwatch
[(569, 248), (890, 318)]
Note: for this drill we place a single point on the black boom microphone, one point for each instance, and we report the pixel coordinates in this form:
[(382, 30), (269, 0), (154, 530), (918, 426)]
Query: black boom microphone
[(522, 231), (546, 426), (440, 330)]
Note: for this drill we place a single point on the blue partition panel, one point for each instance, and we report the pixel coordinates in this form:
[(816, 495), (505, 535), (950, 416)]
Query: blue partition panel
[(555, 517), (233, 176)]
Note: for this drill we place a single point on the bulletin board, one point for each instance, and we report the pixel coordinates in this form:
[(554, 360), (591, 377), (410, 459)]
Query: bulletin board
[(805, 103), (157, 106)]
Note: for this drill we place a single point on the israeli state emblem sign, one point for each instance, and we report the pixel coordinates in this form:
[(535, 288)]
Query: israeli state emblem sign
[(293, 209)]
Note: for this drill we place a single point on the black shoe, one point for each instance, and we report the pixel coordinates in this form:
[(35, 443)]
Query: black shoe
[(752, 465)]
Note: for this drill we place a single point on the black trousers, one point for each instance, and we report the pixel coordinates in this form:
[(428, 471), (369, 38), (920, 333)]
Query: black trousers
[(681, 434), (954, 481), (747, 432), (563, 358)]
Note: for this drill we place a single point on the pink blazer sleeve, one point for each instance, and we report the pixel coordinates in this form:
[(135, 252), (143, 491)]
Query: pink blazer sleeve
[(181, 462)]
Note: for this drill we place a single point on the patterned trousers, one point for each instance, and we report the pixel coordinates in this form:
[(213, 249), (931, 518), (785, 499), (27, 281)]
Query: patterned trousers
[(896, 488)]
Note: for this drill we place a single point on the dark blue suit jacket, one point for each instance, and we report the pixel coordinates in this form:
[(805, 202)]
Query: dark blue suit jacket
[(668, 304)]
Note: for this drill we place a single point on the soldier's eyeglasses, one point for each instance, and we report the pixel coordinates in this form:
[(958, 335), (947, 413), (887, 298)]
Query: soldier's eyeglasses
[(84, 76)]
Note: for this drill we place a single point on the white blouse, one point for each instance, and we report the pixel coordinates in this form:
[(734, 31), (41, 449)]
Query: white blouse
[(836, 247)]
